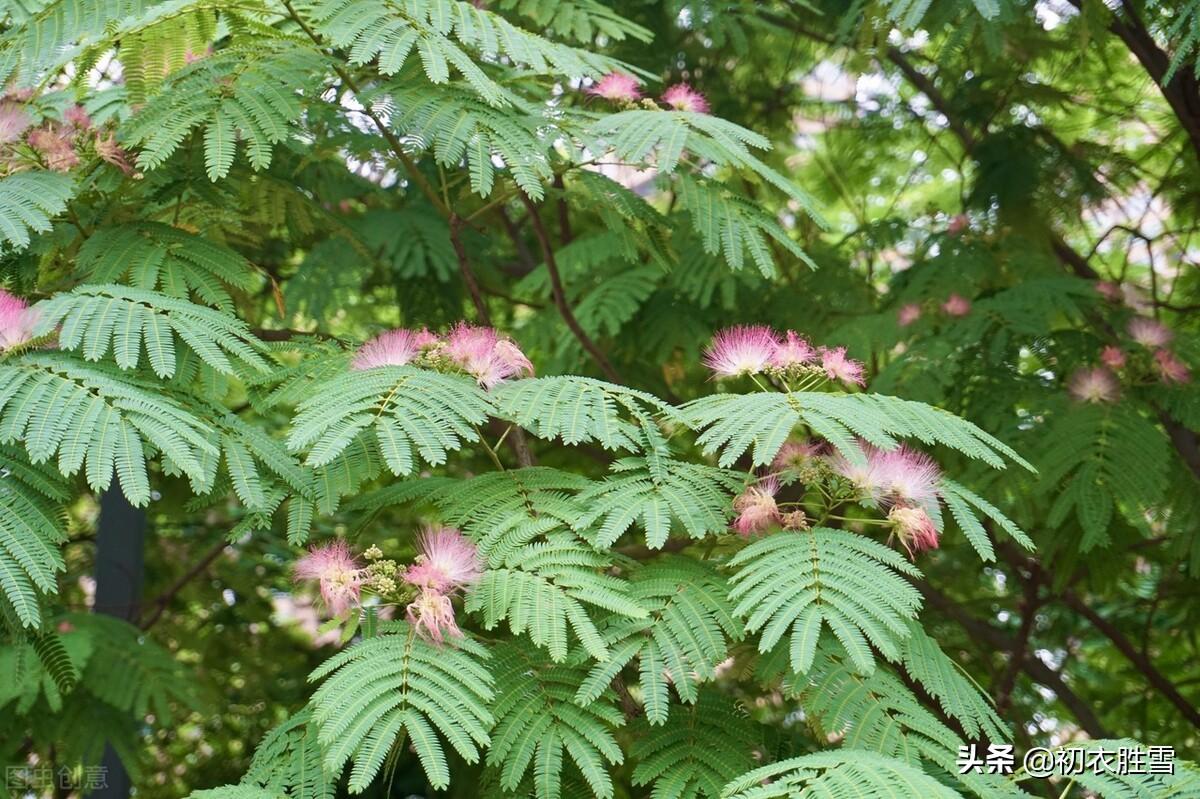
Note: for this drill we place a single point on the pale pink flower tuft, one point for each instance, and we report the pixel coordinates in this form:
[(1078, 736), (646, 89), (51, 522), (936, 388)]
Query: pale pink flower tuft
[(792, 351), (890, 477), (838, 367), (1108, 290), (958, 224), (13, 122), (682, 97), (1112, 357), (55, 148), (1094, 385), (956, 305), (756, 507), (908, 314), (1171, 369), (108, 150), (914, 527), (393, 348), (481, 353), (741, 350), (432, 616), (446, 561), (1150, 333), (77, 118), (16, 321), (338, 573), (617, 87), (797, 455)]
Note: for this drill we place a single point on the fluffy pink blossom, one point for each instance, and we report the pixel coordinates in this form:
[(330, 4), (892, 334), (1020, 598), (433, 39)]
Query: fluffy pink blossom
[(1094, 385), (958, 224), (901, 476), (1171, 369), (338, 573), (446, 561), (756, 507), (792, 351), (682, 97), (13, 122), (16, 321), (1108, 290), (1148, 332), (481, 353), (432, 616), (617, 87), (77, 118), (741, 350), (908, 314), (956, 305), (797, 455), (55, 148), (1112, 357), (838, 367), (393, 348), (914, 527), (108, 150)]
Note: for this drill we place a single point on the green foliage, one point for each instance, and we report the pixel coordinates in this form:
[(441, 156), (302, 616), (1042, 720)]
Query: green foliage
[(831, 773), (539, 725), (31, 530), (825, 578), (396, 684), (28, 201)]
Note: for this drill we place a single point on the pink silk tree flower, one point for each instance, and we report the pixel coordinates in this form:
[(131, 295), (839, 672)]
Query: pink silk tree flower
[(902, 476), (838, 367), (682, 97), (393, 348), (431, 615), (914, 527), (792, 351), (55, 147), (616, 87), (797, 455), (741, 350), (481, 353), (1112, 357), (337, 572), (13, 122), (908, 314), (756, 508), (17, 319), (446, 561), (111, 152), (1108, 290), (77, 118), (1094, 385), (1170, 369), (1150, 333), (956, 305)]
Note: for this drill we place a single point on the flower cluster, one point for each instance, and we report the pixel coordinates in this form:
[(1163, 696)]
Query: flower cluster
[(902, 480), (1096, 385), (16, 321), (1100, 384), (956, 305), (337, 572), (52, 144), (620, 87), (755, 349), (446, 563), (479, 351)]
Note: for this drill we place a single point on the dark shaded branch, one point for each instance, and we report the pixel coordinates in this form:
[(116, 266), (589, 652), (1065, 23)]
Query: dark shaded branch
[(164, 599), (1139, 661), (997, 640), (560, 295)]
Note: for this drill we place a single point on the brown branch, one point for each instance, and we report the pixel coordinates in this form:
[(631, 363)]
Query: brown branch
[(160, 603), (1156, 678), (996, 640), (1028, 608), (560, 296)]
